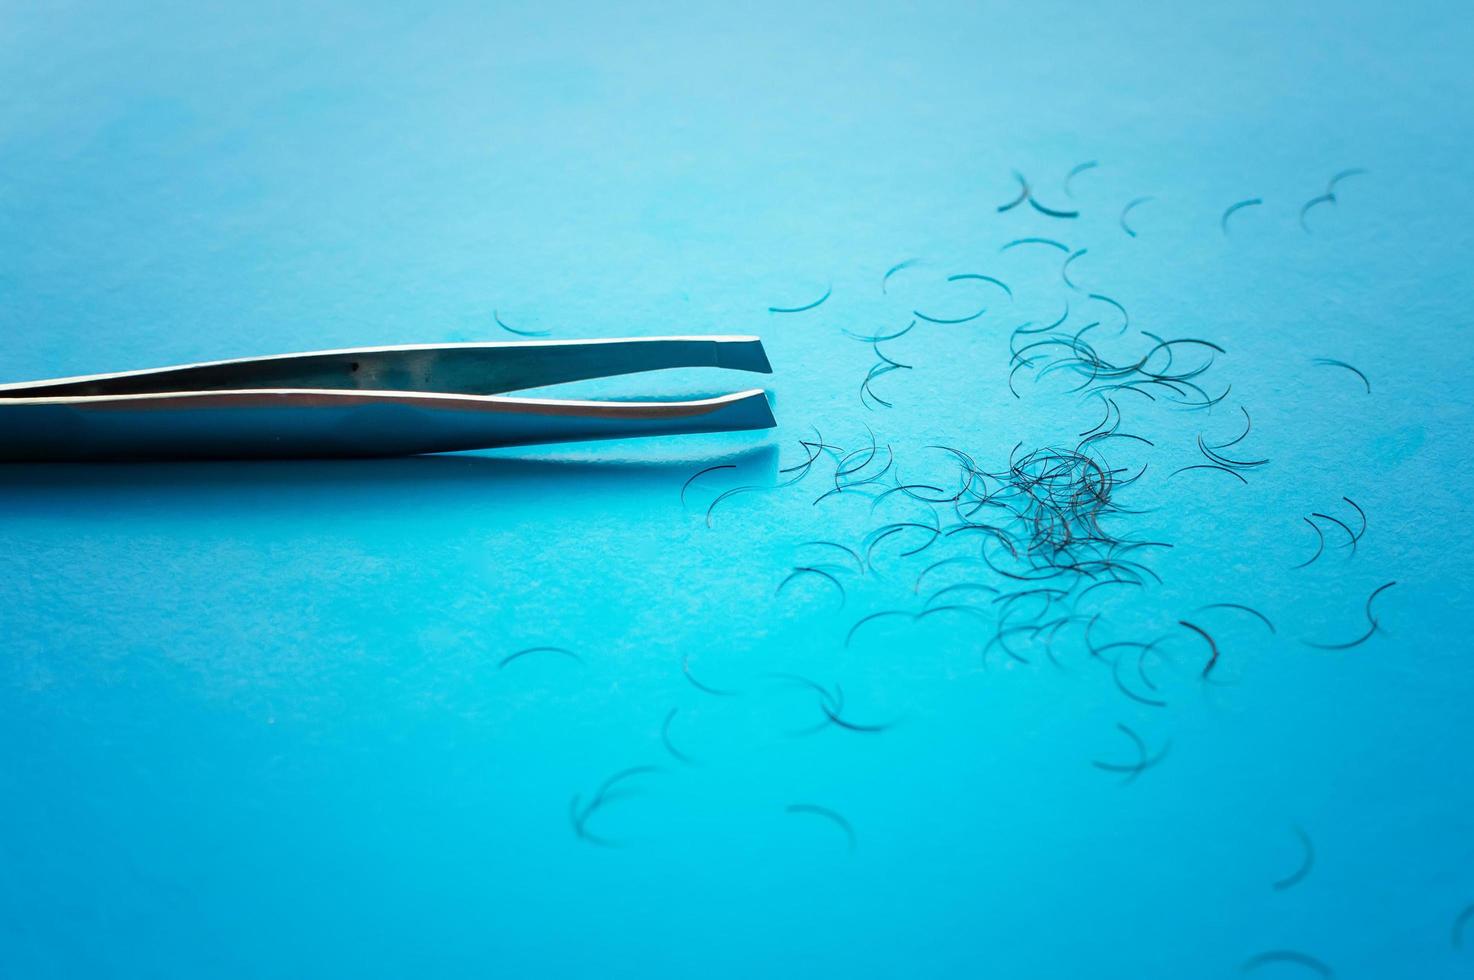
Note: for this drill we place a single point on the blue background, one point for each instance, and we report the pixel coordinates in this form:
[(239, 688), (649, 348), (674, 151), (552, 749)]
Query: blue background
[(251, 717)]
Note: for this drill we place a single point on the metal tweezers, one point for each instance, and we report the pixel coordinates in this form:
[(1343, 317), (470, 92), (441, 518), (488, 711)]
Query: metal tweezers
[(371, 401)]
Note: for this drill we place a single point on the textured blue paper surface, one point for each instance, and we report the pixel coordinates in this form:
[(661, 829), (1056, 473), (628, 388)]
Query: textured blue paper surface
[(252, 719)]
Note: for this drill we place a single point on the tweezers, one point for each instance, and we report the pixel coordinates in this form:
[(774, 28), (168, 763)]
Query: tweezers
[(371, 401)]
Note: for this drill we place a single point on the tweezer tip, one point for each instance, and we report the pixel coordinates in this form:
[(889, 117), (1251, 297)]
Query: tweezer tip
[(763, 413), (749, 410), (744, 354)]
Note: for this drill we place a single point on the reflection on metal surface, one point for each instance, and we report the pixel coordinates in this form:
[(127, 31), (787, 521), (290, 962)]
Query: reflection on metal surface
[(372, 401)]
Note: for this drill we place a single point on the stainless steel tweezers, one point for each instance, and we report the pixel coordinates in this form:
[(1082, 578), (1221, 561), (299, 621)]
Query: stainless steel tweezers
[(371, 401)]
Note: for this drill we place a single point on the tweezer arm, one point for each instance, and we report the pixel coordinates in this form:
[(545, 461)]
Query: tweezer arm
[(467, 369)]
